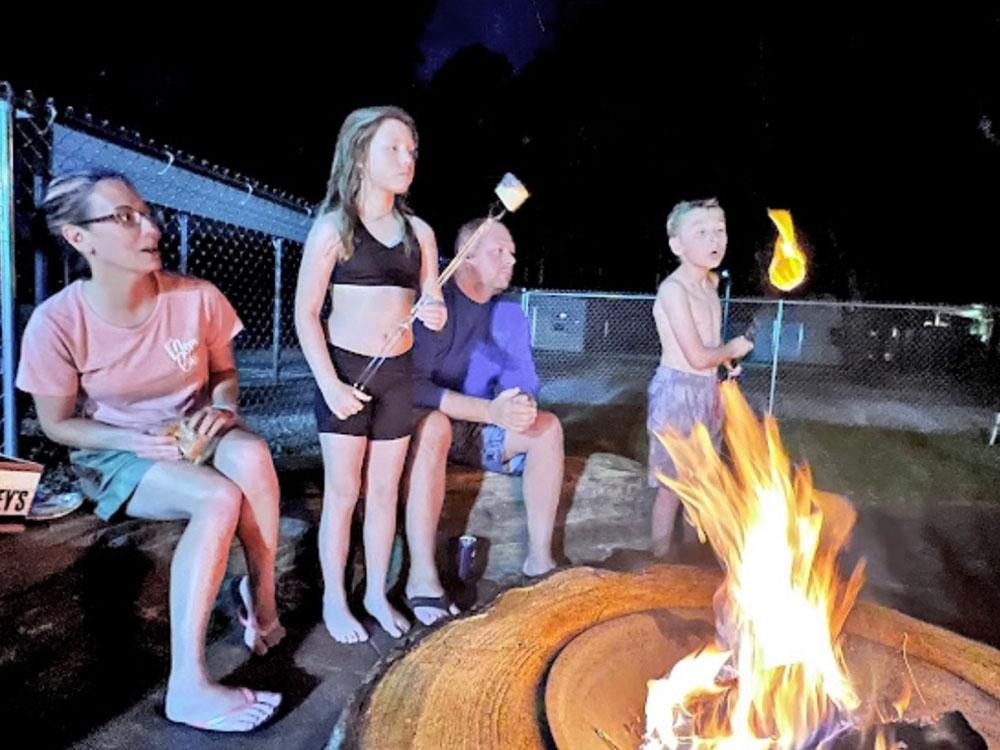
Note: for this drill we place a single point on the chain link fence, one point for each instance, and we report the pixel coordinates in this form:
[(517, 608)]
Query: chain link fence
[(927, 368), (244, 237), (918, 367)]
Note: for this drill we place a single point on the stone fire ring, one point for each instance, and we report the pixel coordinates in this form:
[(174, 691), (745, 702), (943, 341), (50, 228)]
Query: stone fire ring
[(480, 682)]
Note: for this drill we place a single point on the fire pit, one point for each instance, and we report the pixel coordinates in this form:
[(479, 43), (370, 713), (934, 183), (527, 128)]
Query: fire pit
[(495, 680), (775, 654)]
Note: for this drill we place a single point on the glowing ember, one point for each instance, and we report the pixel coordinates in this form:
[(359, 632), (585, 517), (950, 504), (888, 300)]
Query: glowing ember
[(788, 265), (775, 678)]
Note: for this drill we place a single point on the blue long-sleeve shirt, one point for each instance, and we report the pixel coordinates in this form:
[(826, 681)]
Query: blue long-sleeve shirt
[(482, 350)]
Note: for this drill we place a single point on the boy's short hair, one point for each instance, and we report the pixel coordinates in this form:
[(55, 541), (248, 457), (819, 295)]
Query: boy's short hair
[(682, 209)]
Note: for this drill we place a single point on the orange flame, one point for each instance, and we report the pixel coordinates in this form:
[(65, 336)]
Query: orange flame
[(788, 264), (775, 678)]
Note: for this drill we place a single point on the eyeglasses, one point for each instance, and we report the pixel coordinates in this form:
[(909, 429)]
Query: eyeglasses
[(127, 217)]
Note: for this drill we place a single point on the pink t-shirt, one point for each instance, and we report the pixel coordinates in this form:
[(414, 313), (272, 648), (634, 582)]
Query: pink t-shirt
[(138, 378)]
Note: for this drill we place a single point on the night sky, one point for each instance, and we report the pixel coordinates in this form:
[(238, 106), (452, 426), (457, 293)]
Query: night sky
[(881, 133)]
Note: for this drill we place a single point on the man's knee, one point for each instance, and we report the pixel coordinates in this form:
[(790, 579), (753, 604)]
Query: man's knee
[(548, 430)]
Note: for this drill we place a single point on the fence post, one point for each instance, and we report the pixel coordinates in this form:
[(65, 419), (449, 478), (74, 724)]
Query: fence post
[(41, 258), (775, 343), (279, 244), (725, 305), (7, 271), (182, 225)]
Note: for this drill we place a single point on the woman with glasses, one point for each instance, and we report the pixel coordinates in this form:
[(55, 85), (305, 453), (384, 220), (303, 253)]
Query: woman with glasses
[(146, 351)]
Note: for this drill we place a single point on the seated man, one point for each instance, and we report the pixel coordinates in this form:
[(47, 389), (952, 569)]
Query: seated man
[(474, 390)]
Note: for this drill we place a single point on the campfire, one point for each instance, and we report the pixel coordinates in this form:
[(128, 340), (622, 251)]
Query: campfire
[(773, 652), (774, 676)]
